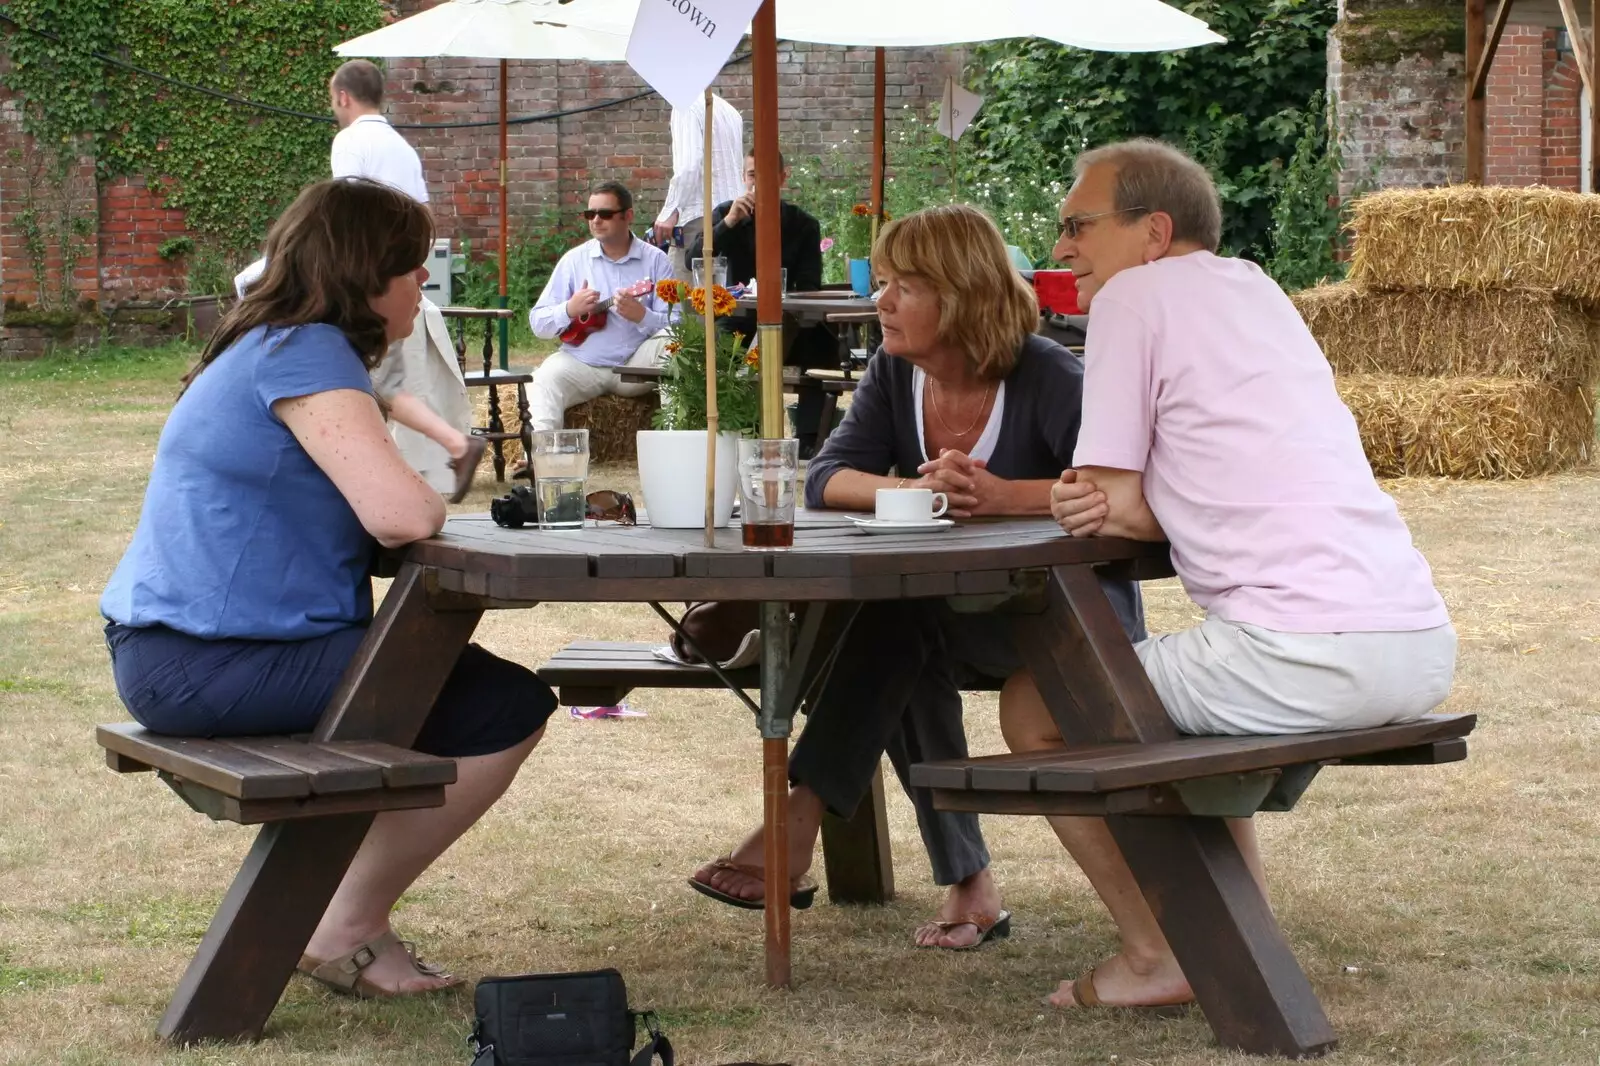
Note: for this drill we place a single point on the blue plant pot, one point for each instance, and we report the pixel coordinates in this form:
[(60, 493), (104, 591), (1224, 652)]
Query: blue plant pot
[(861, 276)]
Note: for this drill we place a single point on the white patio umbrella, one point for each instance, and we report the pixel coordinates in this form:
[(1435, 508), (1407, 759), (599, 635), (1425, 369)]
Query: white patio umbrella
[(491, 29)]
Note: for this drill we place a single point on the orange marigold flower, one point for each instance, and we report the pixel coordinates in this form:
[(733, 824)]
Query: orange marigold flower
[(861, 210), (669, 290), (697, 300), (753, 357), (673, 346), (722, 302)]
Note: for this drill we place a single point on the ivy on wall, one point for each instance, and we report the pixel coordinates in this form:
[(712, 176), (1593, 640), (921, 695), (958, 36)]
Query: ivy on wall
[(1237, 107), (231, 169)]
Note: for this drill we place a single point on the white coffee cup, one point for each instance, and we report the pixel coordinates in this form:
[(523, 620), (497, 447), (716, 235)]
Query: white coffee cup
[(910, 505)]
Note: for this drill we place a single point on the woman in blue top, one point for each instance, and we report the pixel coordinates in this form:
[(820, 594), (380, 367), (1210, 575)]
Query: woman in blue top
[(246, 590)]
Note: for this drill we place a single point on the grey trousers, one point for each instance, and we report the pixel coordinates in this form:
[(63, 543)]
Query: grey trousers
[(895, 687)]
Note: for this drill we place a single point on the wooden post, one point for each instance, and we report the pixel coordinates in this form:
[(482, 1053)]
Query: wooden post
[(1477, 72), (708, 279), (880, 138), (505, 225), (1594, 96)]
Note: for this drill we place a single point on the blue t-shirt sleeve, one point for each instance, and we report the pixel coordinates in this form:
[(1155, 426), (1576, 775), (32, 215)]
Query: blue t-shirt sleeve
[(306, 360)]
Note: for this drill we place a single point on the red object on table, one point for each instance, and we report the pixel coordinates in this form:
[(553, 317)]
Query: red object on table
[(1057, 291)]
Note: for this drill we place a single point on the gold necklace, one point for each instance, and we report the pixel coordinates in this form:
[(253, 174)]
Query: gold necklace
[(934, 393)]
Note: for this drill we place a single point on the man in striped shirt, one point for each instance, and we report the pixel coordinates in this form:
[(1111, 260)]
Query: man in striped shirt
[(685, 204)]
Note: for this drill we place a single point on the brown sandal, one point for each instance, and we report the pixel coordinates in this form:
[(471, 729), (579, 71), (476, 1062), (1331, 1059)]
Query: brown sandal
[(343, 974), (989, 926), (1084, 996), (802, 890)]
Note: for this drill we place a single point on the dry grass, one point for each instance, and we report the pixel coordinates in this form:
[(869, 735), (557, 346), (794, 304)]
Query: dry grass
[(1444, 915), (1469, 427), (1475, 238), (1506, 334)]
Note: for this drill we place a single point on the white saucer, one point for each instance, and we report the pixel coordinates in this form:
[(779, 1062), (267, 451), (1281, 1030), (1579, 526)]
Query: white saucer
[(881, 525)]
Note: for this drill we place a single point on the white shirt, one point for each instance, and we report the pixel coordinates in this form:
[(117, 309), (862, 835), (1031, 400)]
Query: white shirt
[(686, 191), (371, 148), (619, 338), (983, 447)]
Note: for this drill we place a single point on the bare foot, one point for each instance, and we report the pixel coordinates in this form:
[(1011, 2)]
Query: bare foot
[(393, 971), (1119, 982), (978, 894)]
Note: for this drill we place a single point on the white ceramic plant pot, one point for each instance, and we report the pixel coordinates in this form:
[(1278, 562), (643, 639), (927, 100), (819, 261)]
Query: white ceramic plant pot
[(672, 476)]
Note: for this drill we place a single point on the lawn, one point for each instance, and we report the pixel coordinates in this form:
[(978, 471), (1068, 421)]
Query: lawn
[(1444, 914)]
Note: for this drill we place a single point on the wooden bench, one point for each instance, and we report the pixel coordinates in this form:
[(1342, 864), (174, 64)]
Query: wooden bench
[(1214, 776), (255, 780), (855, 851)]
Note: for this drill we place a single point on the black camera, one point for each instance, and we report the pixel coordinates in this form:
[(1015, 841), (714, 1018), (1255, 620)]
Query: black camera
[(515, 509)]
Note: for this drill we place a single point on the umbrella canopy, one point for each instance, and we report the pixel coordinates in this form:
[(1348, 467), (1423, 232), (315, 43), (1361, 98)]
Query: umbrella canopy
[(490, 29), (1124, 26)]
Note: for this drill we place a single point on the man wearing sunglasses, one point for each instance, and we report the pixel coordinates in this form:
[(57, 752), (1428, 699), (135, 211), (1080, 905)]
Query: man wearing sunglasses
[(1210, 420), (603, 268)]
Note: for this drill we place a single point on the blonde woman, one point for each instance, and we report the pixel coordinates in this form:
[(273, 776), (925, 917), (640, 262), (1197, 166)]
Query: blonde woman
[(965, 399)]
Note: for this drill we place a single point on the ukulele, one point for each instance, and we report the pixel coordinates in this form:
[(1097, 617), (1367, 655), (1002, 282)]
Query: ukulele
[(595, 321)]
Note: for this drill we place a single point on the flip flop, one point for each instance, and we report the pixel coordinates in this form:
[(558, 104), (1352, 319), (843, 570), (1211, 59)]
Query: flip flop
[(466, 467), (1084, 997), (989, 926), (343, 974), (801, 894)]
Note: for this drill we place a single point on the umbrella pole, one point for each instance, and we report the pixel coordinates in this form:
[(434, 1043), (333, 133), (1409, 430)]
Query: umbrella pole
[(708, 279), (505, 228), (879, 138), (775, 624)]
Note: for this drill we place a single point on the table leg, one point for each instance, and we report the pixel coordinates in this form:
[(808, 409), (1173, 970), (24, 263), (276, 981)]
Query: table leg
[(775, 726), (856, 854), (255, 939), (1219, 925)]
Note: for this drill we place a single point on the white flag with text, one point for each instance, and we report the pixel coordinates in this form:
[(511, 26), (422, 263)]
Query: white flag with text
[(679, 46)]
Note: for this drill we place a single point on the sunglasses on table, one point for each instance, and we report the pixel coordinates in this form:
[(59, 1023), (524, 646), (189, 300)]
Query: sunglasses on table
[(1072, 225), (609, 506), (605, 214)]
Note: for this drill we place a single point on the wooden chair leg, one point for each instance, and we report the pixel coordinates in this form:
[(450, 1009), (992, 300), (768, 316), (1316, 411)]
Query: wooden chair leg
[(1219, 925), (525, 413), (255, 940), (497, 425), (856, 854)]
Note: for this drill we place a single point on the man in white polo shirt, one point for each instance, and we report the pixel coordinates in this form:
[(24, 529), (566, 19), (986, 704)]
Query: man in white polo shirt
[(366, 145)]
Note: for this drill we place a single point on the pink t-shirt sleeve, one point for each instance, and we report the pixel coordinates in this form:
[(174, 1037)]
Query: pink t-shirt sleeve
[(1118, 390)]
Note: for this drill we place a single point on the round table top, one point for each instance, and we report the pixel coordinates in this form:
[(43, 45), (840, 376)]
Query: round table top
[(831, 560)]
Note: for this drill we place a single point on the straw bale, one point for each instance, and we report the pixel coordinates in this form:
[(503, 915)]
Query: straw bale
[(612, 422), (1471, 237), (1496, 333), (1469, 427)]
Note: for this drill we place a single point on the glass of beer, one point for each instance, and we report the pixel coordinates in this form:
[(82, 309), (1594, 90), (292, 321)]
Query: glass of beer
[(560, 465), (767, 473)]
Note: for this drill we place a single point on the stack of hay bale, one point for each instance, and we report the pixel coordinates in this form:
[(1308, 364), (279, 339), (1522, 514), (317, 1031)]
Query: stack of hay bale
[(611, 421), (1465, 342)]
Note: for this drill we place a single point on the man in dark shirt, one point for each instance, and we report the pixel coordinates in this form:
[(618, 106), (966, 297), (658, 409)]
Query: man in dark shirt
[(734, 238)]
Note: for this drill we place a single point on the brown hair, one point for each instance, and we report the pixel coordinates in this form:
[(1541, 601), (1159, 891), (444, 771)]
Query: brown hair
[(362, 79), (1154, 176), (337, 246), (985, 308)]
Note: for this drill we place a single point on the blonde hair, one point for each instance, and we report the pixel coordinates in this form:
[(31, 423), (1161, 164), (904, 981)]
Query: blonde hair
[(985, 308)]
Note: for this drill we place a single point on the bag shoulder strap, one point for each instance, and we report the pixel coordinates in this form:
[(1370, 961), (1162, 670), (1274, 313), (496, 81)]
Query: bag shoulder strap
[(658, 1044)]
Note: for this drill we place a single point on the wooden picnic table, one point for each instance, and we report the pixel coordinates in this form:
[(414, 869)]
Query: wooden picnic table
[(1044, 582), (814, 308)]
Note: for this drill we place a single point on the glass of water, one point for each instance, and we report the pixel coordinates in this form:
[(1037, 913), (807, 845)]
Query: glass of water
[(560, 465), (719, 272), (767, 474)]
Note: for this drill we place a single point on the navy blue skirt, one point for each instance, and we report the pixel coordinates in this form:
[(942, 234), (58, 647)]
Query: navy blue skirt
[(183, 685)]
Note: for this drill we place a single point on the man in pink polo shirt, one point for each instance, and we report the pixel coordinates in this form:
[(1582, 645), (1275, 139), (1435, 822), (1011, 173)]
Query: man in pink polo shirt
[(1210, 420)]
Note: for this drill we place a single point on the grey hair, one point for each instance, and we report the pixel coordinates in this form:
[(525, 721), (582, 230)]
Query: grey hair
[(1158, 177)]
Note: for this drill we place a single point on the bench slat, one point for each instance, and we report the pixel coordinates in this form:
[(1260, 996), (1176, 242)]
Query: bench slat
[(1108, 768), (402, 768), (225, 769), (327, 771)]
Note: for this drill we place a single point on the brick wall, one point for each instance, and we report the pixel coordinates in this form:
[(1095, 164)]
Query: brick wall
[(1561, 134), (1403, 124), (825, 99), (1514, 151)]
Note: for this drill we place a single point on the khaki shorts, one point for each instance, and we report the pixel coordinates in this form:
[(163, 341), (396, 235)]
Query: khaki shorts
[(1235, 678)]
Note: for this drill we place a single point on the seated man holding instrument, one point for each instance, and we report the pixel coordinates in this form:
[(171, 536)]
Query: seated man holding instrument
[(600, 300), (1211, 421)]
